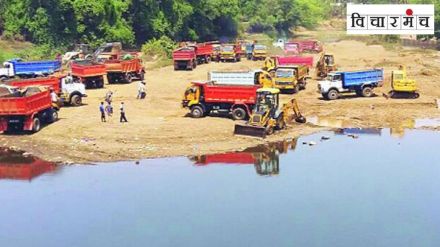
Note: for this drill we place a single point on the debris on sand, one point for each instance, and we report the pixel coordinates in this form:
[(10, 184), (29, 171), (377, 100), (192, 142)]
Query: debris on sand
[(324, 138), (312, 143), (353, 136)]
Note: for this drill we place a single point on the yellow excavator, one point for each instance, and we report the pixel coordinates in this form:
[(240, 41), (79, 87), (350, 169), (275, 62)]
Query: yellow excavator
[(325, 64), (268, 116), (402, 87)]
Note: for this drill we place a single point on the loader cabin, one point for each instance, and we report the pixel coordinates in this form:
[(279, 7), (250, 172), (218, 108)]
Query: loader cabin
[(267, 98), (329, 59)]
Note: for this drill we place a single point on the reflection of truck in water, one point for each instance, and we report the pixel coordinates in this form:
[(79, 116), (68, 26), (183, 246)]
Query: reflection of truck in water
[(13, 165), (265, 158)]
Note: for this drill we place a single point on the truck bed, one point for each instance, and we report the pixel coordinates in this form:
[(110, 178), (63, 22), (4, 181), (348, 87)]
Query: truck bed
[(184, 54), (232, 78), (25, 105), (291, 60), (88, 69), (204, 49), (50, 82), (215, 93), (36, 67), (358, 78), (123, 66)]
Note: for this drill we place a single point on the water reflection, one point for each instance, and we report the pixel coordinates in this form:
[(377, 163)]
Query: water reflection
[(265, 158), (15, 165), (359, 131)]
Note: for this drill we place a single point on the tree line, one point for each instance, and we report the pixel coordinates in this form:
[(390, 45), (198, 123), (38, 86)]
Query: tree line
[(64, 22), (61, 23)]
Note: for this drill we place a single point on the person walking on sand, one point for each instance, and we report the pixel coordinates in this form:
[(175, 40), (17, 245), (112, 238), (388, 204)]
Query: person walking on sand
[(122, 109), (141, 90), (109, 109), (102, 110)]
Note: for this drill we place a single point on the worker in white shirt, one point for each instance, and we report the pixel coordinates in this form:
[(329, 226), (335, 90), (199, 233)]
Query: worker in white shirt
[(54, 98), (141, 90)]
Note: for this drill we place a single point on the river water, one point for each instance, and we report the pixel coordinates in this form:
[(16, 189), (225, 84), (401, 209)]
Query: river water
[(358, 188)]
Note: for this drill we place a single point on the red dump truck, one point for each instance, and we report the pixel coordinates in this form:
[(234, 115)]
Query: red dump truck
[(120, 71), (70, 92), (25, 111), (294, 60), (90, 74), (313, 46), (185, 58), (204, 52), (203, 98)]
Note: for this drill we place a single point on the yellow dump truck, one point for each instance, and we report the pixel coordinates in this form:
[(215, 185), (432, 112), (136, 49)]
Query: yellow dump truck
[(291, 78), (402, 87), (259, 52), (230, 52)]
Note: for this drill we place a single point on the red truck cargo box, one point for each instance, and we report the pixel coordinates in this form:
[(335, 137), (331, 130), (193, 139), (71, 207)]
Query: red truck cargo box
[(184, 54), (25, 105), (291, 48), (229, 93), (123, 66), (204, 49), (295, 60), (50, 82), (309, 45), (88, 69), (226, 158)]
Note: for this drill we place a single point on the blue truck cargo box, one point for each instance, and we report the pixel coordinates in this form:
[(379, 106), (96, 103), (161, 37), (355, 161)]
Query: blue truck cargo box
[(359, 78), (35, 67)]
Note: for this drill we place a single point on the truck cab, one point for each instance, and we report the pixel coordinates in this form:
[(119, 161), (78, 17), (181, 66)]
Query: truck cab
[(332, 82), (72, 91), (259, 52), (291, 77), (7, 71), (228, 52)]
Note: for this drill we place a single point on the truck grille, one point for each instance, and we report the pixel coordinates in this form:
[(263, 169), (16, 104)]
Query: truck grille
[(282, 82)]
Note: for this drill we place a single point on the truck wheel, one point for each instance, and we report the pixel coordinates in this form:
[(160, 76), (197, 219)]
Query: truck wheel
[(207, 59), (332, 94), (53, 116), (129, 78), (197, 111), (367, 92), (3, 78), (239, 114), (176, 66), (36, 125), (195, 64), (99, 84), (76, 100)]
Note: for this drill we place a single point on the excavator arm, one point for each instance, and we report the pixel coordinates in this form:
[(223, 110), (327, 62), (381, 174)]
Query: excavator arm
[(292, 107)]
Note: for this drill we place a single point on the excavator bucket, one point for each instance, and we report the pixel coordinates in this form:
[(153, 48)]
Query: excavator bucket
[(249, 130)]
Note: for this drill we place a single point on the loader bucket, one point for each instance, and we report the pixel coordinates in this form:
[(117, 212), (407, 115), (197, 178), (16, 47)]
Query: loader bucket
[(300, 119), (249, 130)]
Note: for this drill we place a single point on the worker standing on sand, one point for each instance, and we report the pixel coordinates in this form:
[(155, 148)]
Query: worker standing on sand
[(109, 97), (109, 109), (141, 90), (102, 110), (122, 109), (54, 98)]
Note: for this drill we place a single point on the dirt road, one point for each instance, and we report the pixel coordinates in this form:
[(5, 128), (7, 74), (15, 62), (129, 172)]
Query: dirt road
[(158, 126)]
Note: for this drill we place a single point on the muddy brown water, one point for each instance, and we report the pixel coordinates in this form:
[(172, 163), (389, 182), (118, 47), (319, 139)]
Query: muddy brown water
[(351, 187)]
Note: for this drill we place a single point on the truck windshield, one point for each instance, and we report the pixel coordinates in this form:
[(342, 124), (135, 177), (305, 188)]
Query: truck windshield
[(260, 47), (284, 73), (227, 48), (291, 46), (334, 77)]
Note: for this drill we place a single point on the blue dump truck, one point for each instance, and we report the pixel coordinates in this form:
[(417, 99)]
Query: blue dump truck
[(16, 67), (359, 82)]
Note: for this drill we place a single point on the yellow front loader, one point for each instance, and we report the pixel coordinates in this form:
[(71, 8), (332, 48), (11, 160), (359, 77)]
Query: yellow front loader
[(268, 116), (402, 87)]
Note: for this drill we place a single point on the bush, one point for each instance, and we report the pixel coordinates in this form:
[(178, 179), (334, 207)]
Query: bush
[(41, 52), (159, 47)]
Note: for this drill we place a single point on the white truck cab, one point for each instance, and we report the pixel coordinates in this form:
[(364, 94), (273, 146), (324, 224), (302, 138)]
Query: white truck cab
[(7, 71), (332, 81), (72, 91)]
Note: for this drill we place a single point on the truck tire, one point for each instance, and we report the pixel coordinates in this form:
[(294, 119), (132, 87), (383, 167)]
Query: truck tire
[(208, 59), (129, 78), (239, 113), (176, 66), (197, 111), (36, 125), (332, 94), (367, 92), (53, 116), (76, 100), (194, 64), (3, 78)]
